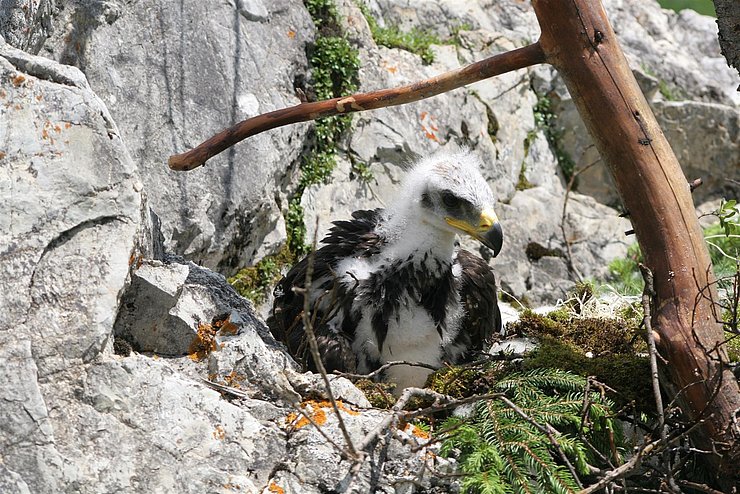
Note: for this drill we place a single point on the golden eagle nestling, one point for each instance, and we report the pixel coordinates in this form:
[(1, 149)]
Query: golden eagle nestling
[(394, 284)]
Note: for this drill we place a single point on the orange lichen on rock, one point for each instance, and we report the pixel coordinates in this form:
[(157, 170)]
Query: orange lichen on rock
[(273, 487), (225, 326), (416, 431), (18, 80), (219, 433), (317, 411), (203, 343), (234, 379)]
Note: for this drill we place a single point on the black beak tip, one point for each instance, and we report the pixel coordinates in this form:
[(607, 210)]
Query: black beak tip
[(494, 238)]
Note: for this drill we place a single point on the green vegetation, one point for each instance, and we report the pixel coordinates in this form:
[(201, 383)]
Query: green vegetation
[(361, 171), (624, 275), (590, 346), (523, 183), (723, 241), (501, 452), (667, 91), (417, 41), (544, 119), (335, 66), (705, 7), (252, 282)]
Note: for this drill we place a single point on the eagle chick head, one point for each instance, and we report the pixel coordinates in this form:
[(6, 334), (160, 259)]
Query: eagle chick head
[(447, 191)]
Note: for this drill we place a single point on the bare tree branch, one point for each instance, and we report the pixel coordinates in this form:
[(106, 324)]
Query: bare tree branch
[(474, 72), (314, 347)]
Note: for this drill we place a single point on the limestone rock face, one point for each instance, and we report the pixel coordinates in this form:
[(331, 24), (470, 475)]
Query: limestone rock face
[(69, 192), (72, 206), (173, 74)]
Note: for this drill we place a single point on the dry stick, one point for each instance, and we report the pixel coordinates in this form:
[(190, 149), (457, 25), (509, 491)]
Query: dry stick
[(623, 470), (647, 297), (484, 69), (571, 265), (314, 347), (370, 375)]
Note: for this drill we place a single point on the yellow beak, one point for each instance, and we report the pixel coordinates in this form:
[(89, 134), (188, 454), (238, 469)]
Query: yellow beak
[(488, 231)]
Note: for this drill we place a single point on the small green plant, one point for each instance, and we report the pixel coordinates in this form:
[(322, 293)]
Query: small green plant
[(501, 452), (544, 119), (253, 282), (702, 6), (296, 228), (624, 274), (362, 171), (417, 41), (523, 183)]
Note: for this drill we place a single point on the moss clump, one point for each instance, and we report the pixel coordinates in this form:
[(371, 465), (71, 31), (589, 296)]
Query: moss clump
[(462, 381), (536, 251), (253, 282), (379, 394), (601, 336), (523, 183), (614, 346), (628, 374), (417, 41)]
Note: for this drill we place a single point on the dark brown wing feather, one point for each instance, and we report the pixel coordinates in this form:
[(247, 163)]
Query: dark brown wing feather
[(478, 296), (353, 238)]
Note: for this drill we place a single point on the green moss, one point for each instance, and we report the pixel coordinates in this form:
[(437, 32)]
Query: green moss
[(379, 394), (523, 183), (544, 119), (253, 282), (536, 251), (461, 381), (417, 41), (613, 346), (601, 336), (335, 67), (628, 374)]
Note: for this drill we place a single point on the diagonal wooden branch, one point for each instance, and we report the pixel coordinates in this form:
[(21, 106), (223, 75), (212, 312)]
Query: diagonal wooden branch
[(474, 72)]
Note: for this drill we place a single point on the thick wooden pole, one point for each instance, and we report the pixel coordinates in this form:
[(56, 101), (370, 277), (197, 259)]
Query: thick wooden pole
[(580, 43)]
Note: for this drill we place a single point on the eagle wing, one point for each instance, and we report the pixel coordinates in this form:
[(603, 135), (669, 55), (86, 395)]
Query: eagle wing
[(330, 312), (478, 296)]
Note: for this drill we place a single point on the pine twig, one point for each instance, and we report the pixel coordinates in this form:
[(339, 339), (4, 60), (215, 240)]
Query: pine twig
[(546, 429)]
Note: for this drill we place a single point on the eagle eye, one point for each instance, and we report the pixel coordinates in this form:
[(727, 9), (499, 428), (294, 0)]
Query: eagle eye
[(450, 200)]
